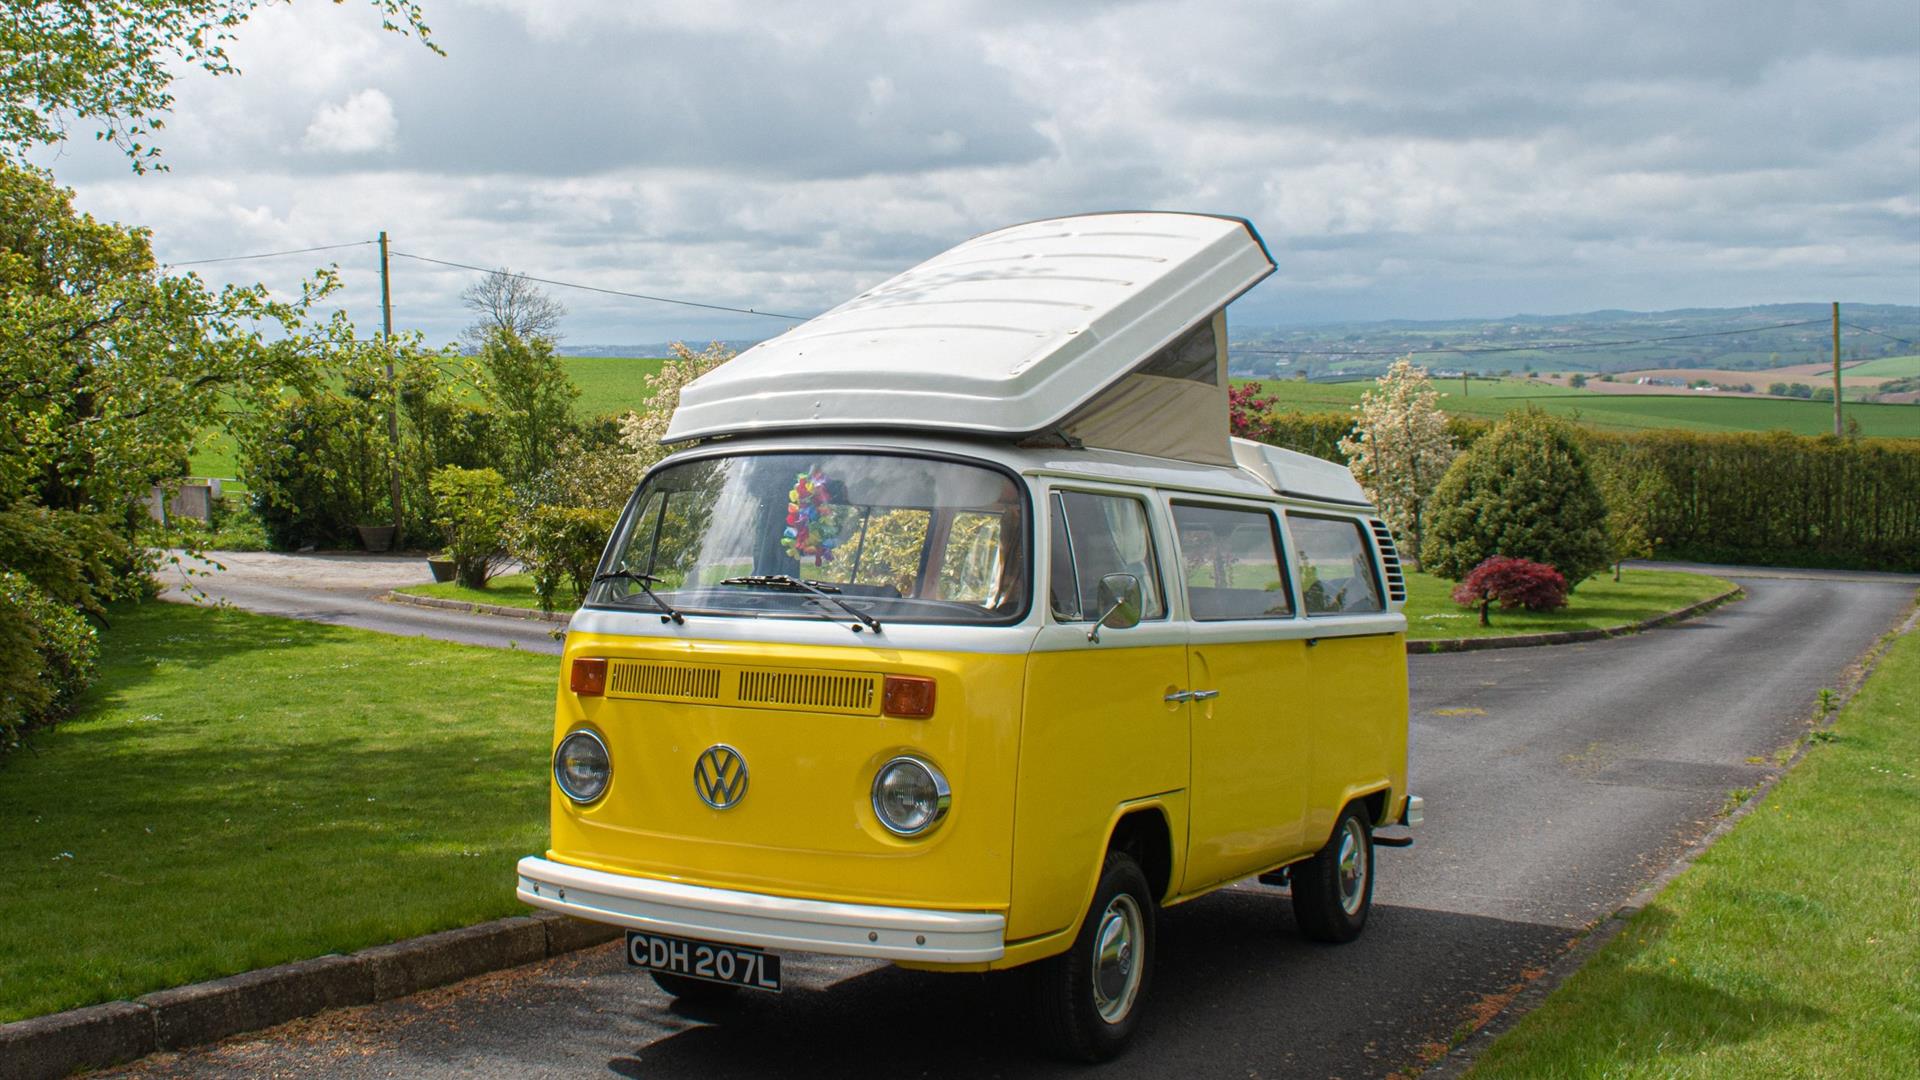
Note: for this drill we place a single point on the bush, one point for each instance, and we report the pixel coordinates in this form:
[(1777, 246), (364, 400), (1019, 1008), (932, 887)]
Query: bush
[(1514, 583), (317, 469), (47, 657), (76, 558), (1524, 491), (562, 544), (475, 507)]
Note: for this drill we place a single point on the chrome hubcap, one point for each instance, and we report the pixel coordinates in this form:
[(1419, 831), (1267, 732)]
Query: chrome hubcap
[(1117, 941), (1353, 866)]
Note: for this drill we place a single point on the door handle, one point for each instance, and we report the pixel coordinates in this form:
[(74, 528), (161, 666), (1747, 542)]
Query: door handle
[(1205, 695), (1179, 695), (1192, 695)]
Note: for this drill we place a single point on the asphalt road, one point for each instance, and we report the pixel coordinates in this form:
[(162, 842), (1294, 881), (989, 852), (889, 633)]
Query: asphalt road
[(1558, 781)]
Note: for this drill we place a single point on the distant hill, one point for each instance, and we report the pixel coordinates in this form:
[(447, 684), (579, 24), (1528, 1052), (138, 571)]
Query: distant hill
[(1733, 339)]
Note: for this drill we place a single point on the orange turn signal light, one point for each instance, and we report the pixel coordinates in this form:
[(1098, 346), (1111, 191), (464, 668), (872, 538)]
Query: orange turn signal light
[(909, 696), (589, 676)]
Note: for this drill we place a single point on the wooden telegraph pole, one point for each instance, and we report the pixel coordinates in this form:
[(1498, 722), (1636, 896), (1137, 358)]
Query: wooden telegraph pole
[(1836, 369), (393, 402)]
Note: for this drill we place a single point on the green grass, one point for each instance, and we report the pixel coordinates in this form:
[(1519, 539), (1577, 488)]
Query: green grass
[(1892, 367), (1598, 603), (507, 590), (1788, 949), (240, 791), (1623, 412)]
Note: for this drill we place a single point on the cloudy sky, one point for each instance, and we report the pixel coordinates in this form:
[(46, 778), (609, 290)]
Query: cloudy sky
[(1403, 160)]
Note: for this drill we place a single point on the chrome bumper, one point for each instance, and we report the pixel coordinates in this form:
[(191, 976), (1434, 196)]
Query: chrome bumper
[(1415, 812), (768, 922)]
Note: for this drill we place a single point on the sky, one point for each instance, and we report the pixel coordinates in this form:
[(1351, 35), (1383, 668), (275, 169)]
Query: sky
[(1420, 160)]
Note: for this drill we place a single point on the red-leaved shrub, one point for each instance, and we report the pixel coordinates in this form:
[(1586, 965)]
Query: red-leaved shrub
[(1513, 583)]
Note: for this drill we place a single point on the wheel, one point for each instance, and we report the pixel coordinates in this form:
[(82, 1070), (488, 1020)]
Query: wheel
[(693, 991), (1088, 999), (1333, 891)]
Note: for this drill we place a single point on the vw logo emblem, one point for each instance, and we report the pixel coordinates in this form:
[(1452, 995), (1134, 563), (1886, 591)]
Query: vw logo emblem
[(720, 777)]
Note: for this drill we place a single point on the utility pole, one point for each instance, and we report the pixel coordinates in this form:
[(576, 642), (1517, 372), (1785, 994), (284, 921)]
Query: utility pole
[(1836, 369), (393, 400)]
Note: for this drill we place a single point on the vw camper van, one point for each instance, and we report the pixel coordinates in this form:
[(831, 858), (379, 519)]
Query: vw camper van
[(958, 633)]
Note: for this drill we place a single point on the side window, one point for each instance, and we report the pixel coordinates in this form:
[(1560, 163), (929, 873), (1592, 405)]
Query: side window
[(1103, 534), (1231, 560), (1335, 566)]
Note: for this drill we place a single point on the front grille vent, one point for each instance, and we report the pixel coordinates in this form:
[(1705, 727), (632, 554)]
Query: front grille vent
[(1390, 561), (667, 682), (815, 691)]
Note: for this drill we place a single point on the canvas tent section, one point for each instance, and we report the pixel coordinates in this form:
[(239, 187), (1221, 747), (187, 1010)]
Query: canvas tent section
[(1107, 329)]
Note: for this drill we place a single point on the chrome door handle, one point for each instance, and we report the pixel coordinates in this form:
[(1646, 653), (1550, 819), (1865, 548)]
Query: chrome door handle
[(1180, 695), (1205, 695)]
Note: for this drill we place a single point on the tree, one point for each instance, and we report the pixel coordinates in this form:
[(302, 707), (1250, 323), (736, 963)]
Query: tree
[(532, 398), (112, 64), (1523, 490), (513, 302), (1635, 492), (641, 432), (1577, 380), (1513, 583), (1400, 448)]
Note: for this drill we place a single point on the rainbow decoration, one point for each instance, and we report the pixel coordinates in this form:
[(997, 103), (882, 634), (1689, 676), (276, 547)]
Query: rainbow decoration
[(809, 535)]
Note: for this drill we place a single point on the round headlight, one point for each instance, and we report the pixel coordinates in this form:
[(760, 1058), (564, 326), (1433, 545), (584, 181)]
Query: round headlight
[(910, 796), (582, 767)]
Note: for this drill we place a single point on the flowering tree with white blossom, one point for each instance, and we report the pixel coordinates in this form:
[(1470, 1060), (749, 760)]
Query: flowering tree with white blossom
[(1399, 449)]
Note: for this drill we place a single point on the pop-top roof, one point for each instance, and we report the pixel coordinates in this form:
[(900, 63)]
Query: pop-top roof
[(1008, 334)]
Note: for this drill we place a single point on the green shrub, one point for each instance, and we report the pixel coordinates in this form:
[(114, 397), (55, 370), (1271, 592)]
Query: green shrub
[(317, 468), (439, 430), (76, 558), (48, 652), (475, 507), (1523, 491), (561, 544)]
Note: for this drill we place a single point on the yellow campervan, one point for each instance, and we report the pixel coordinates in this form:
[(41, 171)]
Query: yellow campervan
[(960, 634)]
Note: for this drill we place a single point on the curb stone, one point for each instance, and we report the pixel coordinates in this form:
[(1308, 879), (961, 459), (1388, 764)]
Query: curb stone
[(1569, 637), (97, 1036), (1460, 1060), (502, 610)]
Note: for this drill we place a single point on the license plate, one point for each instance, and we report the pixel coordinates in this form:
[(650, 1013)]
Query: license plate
[(728, 964)]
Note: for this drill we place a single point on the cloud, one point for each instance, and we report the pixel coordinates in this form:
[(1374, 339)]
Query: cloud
[(361, 124)]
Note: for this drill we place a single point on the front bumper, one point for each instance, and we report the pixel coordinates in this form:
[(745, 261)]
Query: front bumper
[(757, 919)]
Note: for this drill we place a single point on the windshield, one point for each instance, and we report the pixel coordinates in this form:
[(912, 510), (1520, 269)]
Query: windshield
[(893, 537)]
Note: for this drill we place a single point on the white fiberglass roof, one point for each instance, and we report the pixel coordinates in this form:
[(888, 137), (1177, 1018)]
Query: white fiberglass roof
[(1006, 334)]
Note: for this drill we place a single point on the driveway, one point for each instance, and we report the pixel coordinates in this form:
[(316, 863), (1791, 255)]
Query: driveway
[(1558, 781)]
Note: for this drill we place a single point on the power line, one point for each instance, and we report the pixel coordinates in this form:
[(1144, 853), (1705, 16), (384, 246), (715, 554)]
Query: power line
[(1879, 333), (1545, 347), (269, 254), (608, 292)]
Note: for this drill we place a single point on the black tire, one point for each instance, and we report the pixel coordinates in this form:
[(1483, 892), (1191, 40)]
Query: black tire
[(1088, 1016), (1333, 891), (694, 991)]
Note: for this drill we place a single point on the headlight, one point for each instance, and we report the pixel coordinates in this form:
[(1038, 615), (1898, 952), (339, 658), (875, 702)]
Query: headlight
[(910, 796), (582, 767)]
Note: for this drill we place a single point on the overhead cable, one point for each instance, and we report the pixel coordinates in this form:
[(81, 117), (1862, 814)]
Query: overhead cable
[(269, 254), (597, 289)]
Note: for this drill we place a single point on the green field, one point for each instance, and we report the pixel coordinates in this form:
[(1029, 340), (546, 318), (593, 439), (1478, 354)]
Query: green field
[(1892, 367), (1788, 949), (239, 791), (1621, 412)]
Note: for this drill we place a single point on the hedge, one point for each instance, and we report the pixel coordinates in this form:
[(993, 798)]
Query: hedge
[(1731, 497)]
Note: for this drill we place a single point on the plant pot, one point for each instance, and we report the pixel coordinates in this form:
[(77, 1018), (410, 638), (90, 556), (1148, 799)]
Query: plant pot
[(442, 569), (376, 537)]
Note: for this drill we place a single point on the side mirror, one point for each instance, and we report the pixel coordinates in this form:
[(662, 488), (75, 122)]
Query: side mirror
[(1120, 600)]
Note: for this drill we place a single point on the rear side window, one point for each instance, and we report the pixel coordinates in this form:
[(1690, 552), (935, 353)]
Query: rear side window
[(1335, 566), (1230, 558), (1097, 535)]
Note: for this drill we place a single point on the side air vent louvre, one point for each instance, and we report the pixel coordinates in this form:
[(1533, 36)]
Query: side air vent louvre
[(817, 691), (1390, 561), (668, 682)]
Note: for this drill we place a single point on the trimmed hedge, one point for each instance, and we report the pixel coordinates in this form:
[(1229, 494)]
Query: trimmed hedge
[(1731, 497)]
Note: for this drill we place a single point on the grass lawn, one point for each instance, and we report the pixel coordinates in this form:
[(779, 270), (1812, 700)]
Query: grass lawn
[(1431, 612), (1788, 949), (240, 791), (507, 590), (1598, 603)]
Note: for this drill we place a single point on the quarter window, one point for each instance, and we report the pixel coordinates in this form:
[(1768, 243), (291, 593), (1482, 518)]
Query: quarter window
[(1104, 534), (1335, 566), (1231, 561)]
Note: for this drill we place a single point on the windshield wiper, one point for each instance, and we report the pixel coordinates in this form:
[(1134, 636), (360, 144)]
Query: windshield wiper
[(785, 581), (645, 581)]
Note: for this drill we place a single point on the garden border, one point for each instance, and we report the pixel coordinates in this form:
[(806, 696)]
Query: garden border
[(501, 610), (97, 1036), (1569, 637)]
